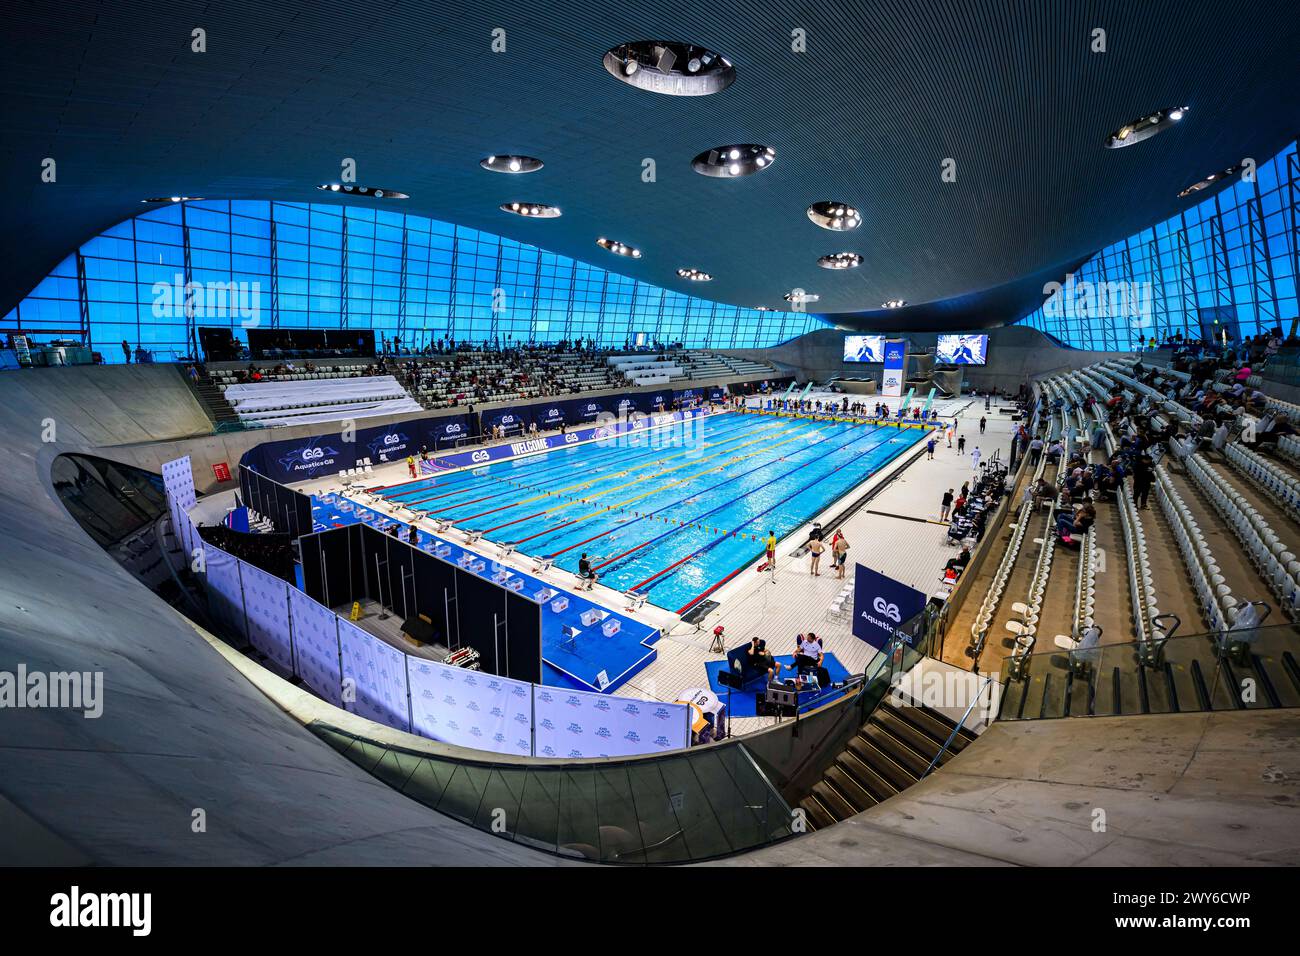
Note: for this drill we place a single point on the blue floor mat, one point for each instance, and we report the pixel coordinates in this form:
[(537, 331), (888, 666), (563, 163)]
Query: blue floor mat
[(742, 702)]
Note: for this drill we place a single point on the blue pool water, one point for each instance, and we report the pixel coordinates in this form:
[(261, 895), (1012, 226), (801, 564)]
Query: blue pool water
[(672, 512)]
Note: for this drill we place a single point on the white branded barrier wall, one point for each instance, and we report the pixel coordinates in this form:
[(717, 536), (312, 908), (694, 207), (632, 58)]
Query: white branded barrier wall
[(449, 704), (266, 607), (378, 672), (575, 723), (316, 646), (178, 482), (470, 708), (225, 594)]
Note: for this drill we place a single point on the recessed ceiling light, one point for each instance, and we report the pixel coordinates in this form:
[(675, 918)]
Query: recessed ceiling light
[(173, 199), (743, 159), (533, 210), (762, 308), (799, 295), (374, 192), (840, 260), (695, 275), (833, 215), (1145, 127), (1211, 180), (619, 248), (893, 304), (674, 69), (512, 164)]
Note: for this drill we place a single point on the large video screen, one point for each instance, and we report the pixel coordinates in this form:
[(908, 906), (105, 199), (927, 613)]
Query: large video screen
[(962, 350), (864, 348)]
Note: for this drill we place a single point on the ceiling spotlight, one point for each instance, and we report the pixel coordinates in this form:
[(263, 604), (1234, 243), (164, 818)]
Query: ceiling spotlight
[(1211, 179), (1143, 129), (840, 260), (743, 159), (836, 216), (511, 164), (531, 210), (761, 308), (893, 304), (695, 275), (173, 199), (375, 192), (618, 248), (799, 295), (652, 65)]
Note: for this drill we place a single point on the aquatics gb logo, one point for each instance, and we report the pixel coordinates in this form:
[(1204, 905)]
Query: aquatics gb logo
[(888, 610)]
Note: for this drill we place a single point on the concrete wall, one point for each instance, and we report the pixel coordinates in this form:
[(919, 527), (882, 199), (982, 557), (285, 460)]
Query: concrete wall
[(1017, 353)]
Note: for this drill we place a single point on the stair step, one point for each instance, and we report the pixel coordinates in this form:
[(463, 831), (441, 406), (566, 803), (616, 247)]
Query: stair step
[(897, 749), (850, 789), (936, 726), (866, 776), (833, 800), (867, 751), (816, 814)]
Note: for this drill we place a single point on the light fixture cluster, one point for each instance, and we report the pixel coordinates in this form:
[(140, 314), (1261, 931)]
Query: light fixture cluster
[(1144, 127), (512, 164), (619, 248), (374, 192), (835, 216), (799, 295), (674, 69), (533, 210), (893, 304), (840, 260), (1211, 180), (173, 199), (695, 275), (740, 159)]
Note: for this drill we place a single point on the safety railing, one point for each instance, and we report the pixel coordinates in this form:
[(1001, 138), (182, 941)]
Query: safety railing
[(1244, 669)]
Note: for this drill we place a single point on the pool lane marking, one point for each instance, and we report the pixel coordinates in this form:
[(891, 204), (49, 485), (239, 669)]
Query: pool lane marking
[(838, 448), (773, 507), (470, 472), (831, 433), (723, 437), (587, 482), (618, 505)]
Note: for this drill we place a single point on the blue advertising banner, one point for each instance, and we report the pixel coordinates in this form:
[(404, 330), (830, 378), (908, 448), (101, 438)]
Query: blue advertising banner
[(895, 369), (880, 605)]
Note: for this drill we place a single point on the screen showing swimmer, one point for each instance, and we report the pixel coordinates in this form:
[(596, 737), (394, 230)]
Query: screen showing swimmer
[(864, 348)]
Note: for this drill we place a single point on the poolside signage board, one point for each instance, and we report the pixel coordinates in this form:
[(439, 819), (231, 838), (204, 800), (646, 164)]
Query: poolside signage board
[(881, 605), (895, 368)]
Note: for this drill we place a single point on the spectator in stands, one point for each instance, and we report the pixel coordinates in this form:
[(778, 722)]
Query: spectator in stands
[(957, 564), (1143, 475), (126, 351), (1076, 524), (1036, 449)]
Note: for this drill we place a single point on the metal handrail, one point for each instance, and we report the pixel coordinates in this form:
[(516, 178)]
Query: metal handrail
[(953, 736)]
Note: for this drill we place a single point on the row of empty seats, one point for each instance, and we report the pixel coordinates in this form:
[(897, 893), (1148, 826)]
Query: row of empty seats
[(1275, 481), (1272, 557), (305, 402)]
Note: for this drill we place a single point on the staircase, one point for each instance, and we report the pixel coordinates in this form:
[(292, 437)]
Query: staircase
[(212, 399), (890, 753)]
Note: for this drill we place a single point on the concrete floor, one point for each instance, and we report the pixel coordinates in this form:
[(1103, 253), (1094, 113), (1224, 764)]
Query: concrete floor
[(1216, 789)]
